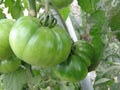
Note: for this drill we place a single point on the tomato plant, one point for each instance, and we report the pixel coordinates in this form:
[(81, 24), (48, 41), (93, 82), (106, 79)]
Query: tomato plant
[(9, 65), (5, 27), (38, 45), (58, 53)]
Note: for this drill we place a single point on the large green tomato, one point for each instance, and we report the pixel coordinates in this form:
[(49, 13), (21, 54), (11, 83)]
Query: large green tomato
[(9, 65), (72, 70), (5, 27), (61, 3), (84, 50), (40, 46)]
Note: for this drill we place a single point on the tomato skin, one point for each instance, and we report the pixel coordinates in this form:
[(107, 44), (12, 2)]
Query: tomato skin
[(72, 70), (84, 50), (9, 65), (40, 46), (5, 27), (61, 3)]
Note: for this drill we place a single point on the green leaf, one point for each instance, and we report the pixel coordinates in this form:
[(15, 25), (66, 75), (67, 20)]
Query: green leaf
[(113, 13), (114, 22), (2, 15), (111, 72), (9, 4), (95, 30), (88, 6), (102, 80), (103, 84), (1, 1), (115, 86), (15, 80), (14, 7), (64, 12), (98, 19), (26, 4), (16, 10), (118, 77), (96, 34), (68, 86)]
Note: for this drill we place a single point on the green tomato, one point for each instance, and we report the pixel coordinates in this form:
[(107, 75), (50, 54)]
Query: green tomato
[(40, 46), (72, 70), (9, 65), (84, 50), (61, 3), (5, 27)]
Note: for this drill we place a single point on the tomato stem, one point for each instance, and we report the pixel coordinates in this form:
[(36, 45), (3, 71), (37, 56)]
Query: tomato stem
[(59, 17), (55, 10), (32, 8), (47, 6)]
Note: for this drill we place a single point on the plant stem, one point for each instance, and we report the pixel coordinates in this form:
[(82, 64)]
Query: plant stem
[(55, 10), (29, 75), (32, 8)]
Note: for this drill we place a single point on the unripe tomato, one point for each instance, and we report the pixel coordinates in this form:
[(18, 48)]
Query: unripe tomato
[(5, 27), (61, 3), (40, 46), (84, 50), (72, 70), (9, 65)]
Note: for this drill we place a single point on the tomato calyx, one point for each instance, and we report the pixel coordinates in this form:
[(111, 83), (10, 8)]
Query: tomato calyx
[(47, 20)]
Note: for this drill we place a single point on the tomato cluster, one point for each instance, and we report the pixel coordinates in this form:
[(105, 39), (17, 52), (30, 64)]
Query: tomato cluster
[(43, 44), (44, 47)]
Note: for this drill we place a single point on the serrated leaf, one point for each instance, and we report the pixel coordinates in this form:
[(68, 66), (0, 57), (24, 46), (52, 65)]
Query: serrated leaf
[(113, 13), (16, 10), (97, 17), (96, 34), (111, 72), (96, 30), (103, 84), (88, 6), (64, 12), (101, 87), (114, 22), (115, 86), (15, 80), (2, 15)]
